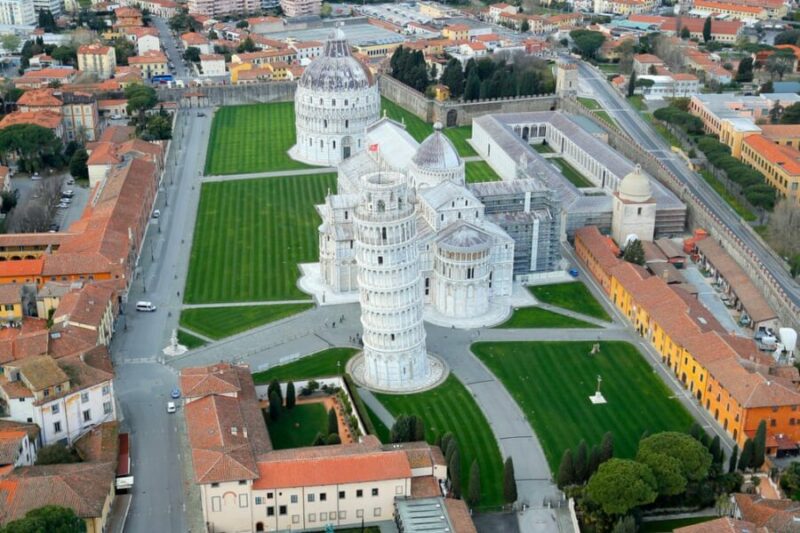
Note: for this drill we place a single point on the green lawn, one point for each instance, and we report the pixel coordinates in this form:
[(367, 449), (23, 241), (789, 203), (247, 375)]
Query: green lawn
[(571, 295), (637, 101), (251, 234), (609, 68), (536, 317), (220, 322), (252, 138), (665, 526), (734, 202), (479, 171), (189, 340), (459, 138), (589, 103), (571, 173), (416, 127), (592, 104), (298, 426), (450, 407), (318, 365), (543, 148), (552, 382), (382, 432)]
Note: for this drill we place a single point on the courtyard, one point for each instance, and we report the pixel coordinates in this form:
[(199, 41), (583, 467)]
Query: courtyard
[(251, 234), (552, 382), (298, 426)]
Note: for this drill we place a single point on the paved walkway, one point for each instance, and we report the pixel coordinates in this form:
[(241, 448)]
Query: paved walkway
[(377, 407), (573, 314), (193, 333), (275, 174), (246, 304)]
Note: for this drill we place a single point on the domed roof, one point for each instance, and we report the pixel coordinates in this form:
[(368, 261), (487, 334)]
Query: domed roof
[(336, 69), (464, 237), (437, 152), (635, 187)]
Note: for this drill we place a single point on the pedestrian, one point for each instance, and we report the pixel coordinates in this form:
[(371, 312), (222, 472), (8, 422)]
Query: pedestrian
[(334, 325)]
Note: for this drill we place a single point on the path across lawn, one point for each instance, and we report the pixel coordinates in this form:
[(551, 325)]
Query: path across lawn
[(571, 295)]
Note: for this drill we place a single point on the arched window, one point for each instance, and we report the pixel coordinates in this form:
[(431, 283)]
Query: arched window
[(325, 123), (346, 123), (381, 206), (333, 102)]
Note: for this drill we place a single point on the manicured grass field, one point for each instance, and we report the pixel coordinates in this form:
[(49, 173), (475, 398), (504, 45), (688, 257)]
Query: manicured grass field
[(552, 382), (536, 317), (321, 364), (298, 426), (665, 526), (571, 173), (189, 340), (573, 296), (251, 234), (220, 322), (450, 407), (478, 171), (459, 137), (252, 138), (382, 432)]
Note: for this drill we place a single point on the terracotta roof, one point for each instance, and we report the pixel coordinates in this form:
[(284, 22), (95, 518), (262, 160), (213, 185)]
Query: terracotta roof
[(86, 306), (31, 429), (117, 134), (460, 516), (49, 73), (425, 487), (100, 444), (648, 58), (39, 98), (720, 525), (41, 372), (22, 267), (775, 515), (222, 378), (14, 389), (30, 239), (193, 38), (10, 445), (83, 487), (212, 57), (151, 56), (44, 118), (10, 294), (597, 246), (721, 6), (779, 131), (93, 49), (786, 157), (103, 153), (693, 24)]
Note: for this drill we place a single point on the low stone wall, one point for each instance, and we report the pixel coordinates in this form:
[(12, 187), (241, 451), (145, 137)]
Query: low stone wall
[(220, 95)]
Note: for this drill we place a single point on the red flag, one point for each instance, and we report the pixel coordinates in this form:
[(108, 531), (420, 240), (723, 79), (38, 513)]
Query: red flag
[(373, 147)]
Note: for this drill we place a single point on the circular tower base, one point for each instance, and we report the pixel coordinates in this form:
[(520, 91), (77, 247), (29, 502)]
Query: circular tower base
[(438, 373)]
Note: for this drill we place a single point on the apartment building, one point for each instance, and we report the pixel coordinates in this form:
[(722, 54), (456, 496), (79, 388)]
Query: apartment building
[(17, 13), (301, 8), (712, 8), (726, 31), (220, 8), (97, 59), (151, 63), (78, 111), (780, 164)]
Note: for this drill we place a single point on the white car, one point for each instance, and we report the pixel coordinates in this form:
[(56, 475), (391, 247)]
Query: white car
[(171, 407), (62, 205)]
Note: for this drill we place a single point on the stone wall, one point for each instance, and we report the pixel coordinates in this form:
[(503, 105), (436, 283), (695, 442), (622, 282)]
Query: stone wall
[(406, 97), (701, 217), (219, 95)]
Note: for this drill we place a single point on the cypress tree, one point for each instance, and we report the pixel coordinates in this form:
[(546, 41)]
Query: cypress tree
[(319, 440), (401, 429), (274, 406), (607, 447), (275, 386), (632, 84), (333, 438), (594, 461), (446, 438), (290, 395), (454, 471), (581, 463), (707, 29), (333, 421), (452, 447), (695, 431), (474, 495), (733, 459), (566, 470), (472, 89), (509, 482), (760, 445), (746, 459), (417, 432), (716, 451)]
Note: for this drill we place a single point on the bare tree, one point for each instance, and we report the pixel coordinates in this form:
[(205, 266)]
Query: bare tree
[(37, 213)]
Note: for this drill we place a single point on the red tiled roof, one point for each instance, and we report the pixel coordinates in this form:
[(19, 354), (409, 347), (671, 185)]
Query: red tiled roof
[(786, 157), (22, 267), (39, 98), (202, 381), (44, 118)]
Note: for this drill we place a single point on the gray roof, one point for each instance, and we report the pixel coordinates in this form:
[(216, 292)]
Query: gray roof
[(463, 236), (437, 152), (444, 192), (395, 145), (336, 69)]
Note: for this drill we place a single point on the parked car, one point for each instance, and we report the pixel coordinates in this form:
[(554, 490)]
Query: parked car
[(63, 205), (175, 394), (36, 176), (146, 307), (116, 116), (71, 181), (171, 408), (54, 227), (201, 114), (156, 213), (69, 193)]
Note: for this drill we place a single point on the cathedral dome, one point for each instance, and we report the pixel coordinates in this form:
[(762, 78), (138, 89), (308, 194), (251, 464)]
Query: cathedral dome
[(437, 152), (635, 187), (336, 69)]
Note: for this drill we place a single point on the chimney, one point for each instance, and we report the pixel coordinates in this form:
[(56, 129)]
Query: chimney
[(244, 432)]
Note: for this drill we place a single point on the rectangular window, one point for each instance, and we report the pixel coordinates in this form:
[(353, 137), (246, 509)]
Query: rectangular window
[(216, 503), (310, 498), (87, 415), (360, 513), (106, 390), (359, 493), (312, 517), (259, 500), (323, 517), (342, 515), (376, 511), (106, 408), (374, 492), (57, 427), (243, 501), (84, 397), (293, 499), (269, 495), (295, 519), (56, 409), (270, 511), (341, 495), (282, 510)]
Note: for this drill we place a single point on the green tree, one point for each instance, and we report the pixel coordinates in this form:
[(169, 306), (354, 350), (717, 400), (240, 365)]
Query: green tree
[(472, 91), (693, 455), (632, 84), (77, 164), (8, 201), (453, 77), (319, 440), (760, 445), (746, 458), (525, 27), (454, 472), (10, 42), (123, 48), (212, 35), (246, 46), (707, 30), (274, 406), (634, 252), (47, 21), (607, 447), (744, 72), (401, 429), (275, 386), (779, 63), (417, 430), (474, 495), (141, 99), (594, 461), (445, 440), (333, 421), (242, 24), (34, 146), (333, 438), (509, 481), (790, 481), (685, 33), (157, 128), (621, 485), (587, 42), (670, 480), (291, 395), (626, 524), (791, 114), (581, 463), (566, 470), (67, 54), (48, 519), (55, 454), (734, 457), (192, 54)]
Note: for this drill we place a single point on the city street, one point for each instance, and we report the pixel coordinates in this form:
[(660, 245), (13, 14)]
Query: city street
[(171, 48), (595, 84)]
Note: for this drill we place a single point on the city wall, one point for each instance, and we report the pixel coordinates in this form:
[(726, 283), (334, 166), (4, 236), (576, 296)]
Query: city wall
[(700, 217)]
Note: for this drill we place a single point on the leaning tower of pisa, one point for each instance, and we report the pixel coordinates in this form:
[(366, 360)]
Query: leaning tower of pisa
[(390, 290)]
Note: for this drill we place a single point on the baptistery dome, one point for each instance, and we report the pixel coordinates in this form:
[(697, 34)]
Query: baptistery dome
[(336, 99)]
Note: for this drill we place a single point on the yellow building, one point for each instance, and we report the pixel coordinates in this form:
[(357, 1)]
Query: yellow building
[(780, 164), (10, 303), (441, 92), (434, 10), (97, 59), (374, 49), (456, 32), (732, 11), (151, 63)]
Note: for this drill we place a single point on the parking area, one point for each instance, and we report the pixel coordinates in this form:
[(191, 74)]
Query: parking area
[(31, 191)]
